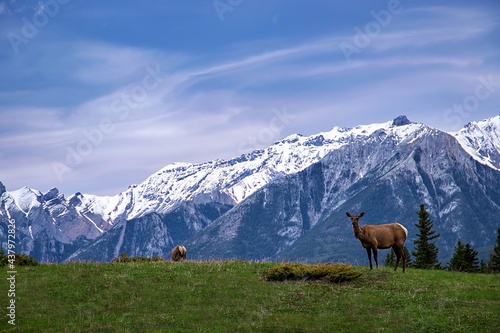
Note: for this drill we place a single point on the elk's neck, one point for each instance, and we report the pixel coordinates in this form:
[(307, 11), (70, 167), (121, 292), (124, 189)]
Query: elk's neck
[(358, 231)]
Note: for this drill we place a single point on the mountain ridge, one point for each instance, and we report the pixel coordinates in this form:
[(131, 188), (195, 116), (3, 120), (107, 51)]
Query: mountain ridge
[(196, 195), (408, 175)]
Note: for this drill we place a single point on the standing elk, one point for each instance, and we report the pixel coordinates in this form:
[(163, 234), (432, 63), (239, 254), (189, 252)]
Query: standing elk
[(382, 236), (179, 252)]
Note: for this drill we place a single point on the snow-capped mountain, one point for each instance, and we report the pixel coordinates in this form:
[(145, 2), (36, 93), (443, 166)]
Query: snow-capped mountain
[(302, 216), (215, 202), (482, 141), (231, 181), (48, 225)]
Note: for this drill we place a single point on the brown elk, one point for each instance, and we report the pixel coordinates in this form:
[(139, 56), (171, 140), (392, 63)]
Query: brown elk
[(178, 253), (382, 236)]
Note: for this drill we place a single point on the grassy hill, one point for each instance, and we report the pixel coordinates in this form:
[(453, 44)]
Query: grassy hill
[(233, 296)]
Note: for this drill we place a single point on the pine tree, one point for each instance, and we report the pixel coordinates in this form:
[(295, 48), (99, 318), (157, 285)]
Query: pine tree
[(3, 257), (471, 259), (457, 262), (484, 267), (494, 264), (390, 259), (464, 259), (425, 252), (409, 261)]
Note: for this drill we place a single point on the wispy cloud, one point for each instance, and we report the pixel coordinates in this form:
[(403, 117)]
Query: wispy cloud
[(212, 95), (271, 56), (3, 8)]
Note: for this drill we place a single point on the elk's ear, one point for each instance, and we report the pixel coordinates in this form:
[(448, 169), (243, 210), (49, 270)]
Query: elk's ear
[(363, 213), (348, 215)]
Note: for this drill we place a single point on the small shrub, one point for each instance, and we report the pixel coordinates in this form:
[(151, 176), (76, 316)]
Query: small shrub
[(3, 257), (342, 273), (20, 259), (24, 260), (334, 273)]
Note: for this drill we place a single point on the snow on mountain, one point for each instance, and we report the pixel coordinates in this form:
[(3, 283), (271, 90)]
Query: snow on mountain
[(482, 141), (200, 194), (102, 206), (387, 174), (231, 181), (186, 198), (24, 199), (48, 225)]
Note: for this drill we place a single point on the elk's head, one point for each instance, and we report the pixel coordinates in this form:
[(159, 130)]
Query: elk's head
[(355, 218)]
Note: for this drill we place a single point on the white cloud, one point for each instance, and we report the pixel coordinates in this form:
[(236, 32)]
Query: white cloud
[(202, 110), (102, 63)]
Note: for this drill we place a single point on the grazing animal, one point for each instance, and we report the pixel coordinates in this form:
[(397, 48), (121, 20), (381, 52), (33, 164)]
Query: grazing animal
[(382, 236), (179, 252)]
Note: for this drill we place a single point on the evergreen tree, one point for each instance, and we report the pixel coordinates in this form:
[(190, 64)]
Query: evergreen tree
[(494, 264), (484, 267), (3, 257), (390, 259), (471, 259), (458, 262), (426, 252), (409, 261), (464, 259)]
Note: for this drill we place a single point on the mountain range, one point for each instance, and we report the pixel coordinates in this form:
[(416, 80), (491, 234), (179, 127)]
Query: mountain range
[(285, 202)]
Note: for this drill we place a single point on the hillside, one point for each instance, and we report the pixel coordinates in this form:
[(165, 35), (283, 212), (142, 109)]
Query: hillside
[(232, 297)]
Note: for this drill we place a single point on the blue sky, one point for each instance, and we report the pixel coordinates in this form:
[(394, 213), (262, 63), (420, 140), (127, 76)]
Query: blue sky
[(98, 95)]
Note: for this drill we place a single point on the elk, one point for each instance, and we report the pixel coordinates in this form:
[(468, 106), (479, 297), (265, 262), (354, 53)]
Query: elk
[(179, 252), (382, 236)]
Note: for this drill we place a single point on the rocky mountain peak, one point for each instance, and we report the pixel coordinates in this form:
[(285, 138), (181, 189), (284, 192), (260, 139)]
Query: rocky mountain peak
[(401, 121), (2, 188), (51, 194)]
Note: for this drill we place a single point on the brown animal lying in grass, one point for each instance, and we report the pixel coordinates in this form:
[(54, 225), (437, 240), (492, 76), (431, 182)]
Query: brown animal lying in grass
[(178, 253)]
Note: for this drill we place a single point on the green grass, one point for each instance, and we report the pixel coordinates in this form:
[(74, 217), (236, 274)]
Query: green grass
[(234, 296)]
